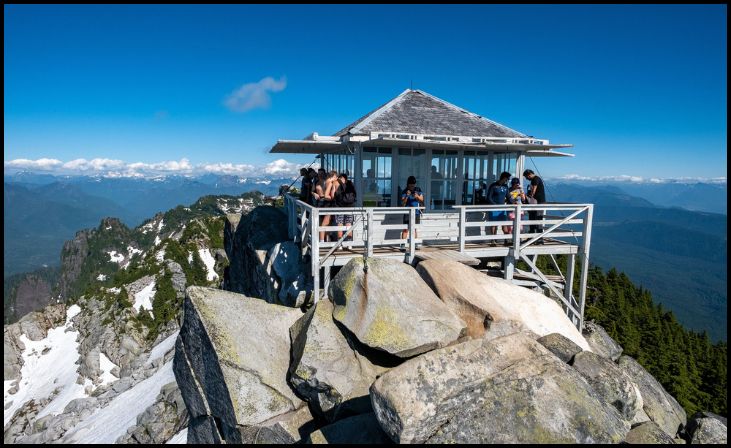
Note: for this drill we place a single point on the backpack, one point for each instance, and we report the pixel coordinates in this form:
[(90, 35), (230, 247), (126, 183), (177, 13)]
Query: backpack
[(347, 197)]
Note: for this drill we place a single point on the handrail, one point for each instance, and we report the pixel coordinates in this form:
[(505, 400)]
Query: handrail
[(304, 221)]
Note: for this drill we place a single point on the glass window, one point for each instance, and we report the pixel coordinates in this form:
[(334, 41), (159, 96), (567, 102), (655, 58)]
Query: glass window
[(342, 163), (482, 169), (444, 175), (376, 177), (411, 162)]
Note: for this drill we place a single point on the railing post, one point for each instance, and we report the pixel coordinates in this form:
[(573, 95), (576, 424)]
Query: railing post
[(462, 228), (412, 234), (513, 252), (315, 252), (369, 233), (568, 289), (584, 253)]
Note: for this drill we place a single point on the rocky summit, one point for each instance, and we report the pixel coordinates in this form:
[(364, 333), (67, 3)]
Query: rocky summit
[(201, 329)]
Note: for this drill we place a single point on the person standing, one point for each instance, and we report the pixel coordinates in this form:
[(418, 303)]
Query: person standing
[(497, 194), (306, 191), (515, 196), (412, 197), (536, 192), (345, 196)]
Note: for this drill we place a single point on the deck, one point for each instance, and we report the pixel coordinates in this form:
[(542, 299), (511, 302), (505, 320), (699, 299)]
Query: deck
[(464, 235)]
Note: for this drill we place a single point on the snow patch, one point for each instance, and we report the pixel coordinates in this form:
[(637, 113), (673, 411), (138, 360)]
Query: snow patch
[(133, 250), (208, 260), (179, 438), (48, 366), (143, 299), (108, 228), (101, 277), (160, 255), (163, 347), (107, 424), (114, 290), (190, 257), (115, 257), (106, 365), (157, 240)]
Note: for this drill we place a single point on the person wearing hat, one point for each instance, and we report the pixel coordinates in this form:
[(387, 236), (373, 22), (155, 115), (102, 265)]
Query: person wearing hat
[(515, 196)]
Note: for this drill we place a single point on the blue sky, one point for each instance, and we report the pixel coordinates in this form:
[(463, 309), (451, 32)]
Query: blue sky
[(639, 90)]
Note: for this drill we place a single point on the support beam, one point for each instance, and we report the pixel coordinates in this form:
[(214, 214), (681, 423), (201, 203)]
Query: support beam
[(584, 254), (568, 289)]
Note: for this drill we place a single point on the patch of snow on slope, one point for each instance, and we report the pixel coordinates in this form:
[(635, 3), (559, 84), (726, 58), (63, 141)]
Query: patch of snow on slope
[(143, 299), (157, 240), (101, 277), (106, 365), (163, 347), (160, 255), (133, 250), (208, 260), (179, 438), (114, 290), (115, 257), (190, 257), (41, 373), (107, 424)]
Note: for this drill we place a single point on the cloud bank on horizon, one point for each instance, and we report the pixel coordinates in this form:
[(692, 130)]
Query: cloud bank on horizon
[(279, 167), (120, 168)]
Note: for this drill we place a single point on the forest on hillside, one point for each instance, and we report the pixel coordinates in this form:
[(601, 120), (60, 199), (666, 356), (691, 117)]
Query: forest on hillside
[(690, 367)]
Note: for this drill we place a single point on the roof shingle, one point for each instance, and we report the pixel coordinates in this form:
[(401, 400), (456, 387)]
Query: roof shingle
[(417, 112)]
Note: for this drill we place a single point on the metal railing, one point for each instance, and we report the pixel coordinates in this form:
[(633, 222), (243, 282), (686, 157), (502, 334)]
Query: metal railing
[(567, 224)]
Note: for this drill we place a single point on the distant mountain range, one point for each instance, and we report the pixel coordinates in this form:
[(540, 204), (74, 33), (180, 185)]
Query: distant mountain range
[(42, 211), (708, 196), (679, 253)]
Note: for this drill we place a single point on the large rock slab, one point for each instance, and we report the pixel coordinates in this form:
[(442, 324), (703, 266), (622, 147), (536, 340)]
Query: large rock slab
[(648, 433), (489, 304), (561, 346), (360, 429), (659, 405), (610, 382), (600, 342), (324, 369), (390, 308), (506, 390), (237, 351), (707, 430)]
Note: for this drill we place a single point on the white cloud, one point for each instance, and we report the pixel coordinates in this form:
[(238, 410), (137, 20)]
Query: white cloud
[(120, 168), (229, 168), (40, 164), (254, 95), (282, 167), (93, 164)]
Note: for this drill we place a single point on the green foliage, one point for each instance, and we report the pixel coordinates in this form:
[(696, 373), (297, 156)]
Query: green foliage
[(686, 363), (214, 228)]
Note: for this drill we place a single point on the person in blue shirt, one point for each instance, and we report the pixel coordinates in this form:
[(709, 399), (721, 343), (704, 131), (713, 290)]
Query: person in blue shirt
[(411, 196), (497, 194)]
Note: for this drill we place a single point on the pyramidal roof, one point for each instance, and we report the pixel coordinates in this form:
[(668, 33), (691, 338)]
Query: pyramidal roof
[(417, 112)]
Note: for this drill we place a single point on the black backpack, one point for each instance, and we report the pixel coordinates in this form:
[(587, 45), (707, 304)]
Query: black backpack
[(347, 194)]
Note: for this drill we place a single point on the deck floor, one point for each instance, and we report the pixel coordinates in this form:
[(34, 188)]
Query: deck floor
[(473, 250)]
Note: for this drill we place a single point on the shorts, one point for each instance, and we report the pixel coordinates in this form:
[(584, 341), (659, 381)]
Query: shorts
[(344, 220), (497, 216), (416, 221)]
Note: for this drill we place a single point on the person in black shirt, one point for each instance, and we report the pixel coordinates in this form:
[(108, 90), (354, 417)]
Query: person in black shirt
[(536, 192), (306, 191), (345, 196)]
